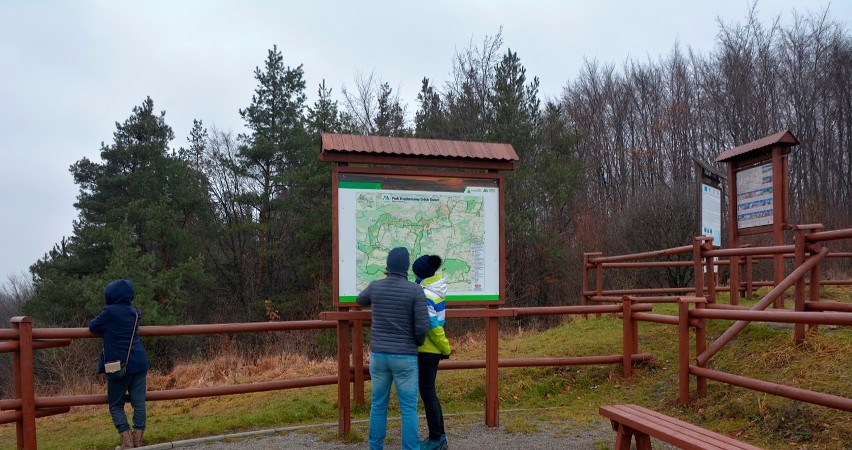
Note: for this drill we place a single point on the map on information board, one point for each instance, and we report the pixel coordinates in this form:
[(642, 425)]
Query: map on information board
[(754, 196), (455, 219)]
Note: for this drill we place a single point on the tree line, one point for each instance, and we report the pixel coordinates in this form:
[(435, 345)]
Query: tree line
[(237, 227)]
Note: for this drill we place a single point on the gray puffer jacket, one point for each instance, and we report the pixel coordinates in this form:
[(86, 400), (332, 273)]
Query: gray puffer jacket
[(400, 319)]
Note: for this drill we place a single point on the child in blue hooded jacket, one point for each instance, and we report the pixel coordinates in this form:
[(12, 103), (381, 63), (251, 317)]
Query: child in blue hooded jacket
[(119, 324)]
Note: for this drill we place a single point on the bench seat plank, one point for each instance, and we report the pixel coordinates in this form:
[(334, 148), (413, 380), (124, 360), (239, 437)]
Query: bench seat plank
[(669, 429), (705, 436)]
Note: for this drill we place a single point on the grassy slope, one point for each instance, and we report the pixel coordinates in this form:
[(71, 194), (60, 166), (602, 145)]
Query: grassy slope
[(564, 397)]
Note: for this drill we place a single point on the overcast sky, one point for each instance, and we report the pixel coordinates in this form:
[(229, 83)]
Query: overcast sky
[(70, 70)]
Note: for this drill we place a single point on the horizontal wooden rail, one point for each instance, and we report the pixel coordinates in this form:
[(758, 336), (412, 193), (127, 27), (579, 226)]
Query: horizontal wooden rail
[(750, 251), (469, 313), (638, 299), (807, 283), (722, 306), (643, 291), (15, 416), (560, 310), (821, 236), (646, 264), (781, 316), (13, 346), (646, 255), (817, 398), (184, 330), (792, 255), (662, 318), (828, 306), (536, 362)]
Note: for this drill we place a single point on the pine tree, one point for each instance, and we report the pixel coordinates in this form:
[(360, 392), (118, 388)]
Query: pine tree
[(139, 199)]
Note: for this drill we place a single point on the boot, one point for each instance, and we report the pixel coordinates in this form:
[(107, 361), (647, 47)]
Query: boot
[(137, 437), (126, 440)]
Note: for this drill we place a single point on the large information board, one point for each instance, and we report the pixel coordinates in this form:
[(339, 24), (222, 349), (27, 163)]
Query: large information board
[(454, 218), (754, 196)]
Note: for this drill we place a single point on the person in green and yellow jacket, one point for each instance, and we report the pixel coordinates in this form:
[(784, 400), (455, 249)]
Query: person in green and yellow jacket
[(435, 348)]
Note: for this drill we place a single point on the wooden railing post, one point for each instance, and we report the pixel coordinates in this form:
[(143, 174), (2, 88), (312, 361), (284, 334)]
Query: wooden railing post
[(358, 359), (814, 291), (799, 293), (344, 407), (734, 280), (599, 280), (749, 275), (492, 390), (700, 346), (630, 341), (699, 244), (585, 280), (683, 350), (23, 374), (711, 278), (683, 347), (813, 276)]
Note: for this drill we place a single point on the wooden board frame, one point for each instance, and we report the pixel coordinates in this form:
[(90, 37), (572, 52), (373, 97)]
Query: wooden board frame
[(490, 175)]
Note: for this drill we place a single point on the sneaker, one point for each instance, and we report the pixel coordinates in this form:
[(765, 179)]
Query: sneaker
[(443, 442), (440, 444)]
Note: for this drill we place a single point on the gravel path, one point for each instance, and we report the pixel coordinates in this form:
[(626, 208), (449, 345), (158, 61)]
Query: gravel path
[(466, 431)]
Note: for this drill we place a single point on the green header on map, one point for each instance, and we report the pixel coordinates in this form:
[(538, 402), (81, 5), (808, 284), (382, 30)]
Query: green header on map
[(358, 185)]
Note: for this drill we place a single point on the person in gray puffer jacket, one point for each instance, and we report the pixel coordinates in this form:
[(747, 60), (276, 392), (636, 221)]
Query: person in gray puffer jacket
[(399, 325)]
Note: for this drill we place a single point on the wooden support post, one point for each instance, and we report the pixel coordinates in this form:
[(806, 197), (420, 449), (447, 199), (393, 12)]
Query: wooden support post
[(23, 379), (344, 410), (358, 360), (780, 205), (492, 325)]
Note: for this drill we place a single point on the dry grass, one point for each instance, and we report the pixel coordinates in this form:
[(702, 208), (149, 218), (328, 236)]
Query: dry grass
[(233, 368)]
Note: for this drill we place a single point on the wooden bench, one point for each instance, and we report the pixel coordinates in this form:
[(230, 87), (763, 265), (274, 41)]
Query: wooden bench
[(633, 420)]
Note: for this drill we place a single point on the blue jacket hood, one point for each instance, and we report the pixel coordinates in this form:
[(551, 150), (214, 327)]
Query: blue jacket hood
[(119, 292)]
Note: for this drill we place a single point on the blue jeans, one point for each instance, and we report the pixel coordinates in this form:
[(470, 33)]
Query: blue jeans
[(401, 370), (135, 385)]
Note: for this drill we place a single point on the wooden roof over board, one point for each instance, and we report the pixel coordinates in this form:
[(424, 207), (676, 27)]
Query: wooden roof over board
[(783, 138), (360, 149)]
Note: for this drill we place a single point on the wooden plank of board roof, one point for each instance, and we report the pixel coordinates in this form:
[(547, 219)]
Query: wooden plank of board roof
[(427, 147), (785, 137), (432, 147), (347, 142)]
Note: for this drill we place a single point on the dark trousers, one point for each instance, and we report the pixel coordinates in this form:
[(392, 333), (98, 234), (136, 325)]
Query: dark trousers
[(427, 364), (135, 385)]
